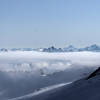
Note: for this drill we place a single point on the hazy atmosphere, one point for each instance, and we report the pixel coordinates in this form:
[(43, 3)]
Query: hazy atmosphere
[(42, 23), (49, 49)]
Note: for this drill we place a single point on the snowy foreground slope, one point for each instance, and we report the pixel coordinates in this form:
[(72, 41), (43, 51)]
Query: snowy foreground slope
[(87, 88), (25, 73)]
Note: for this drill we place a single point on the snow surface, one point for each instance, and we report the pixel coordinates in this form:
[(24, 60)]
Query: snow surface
[(79, 90), (43, 90)]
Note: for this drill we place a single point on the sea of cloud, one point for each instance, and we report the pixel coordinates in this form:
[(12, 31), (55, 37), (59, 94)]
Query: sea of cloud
[(31, 61)]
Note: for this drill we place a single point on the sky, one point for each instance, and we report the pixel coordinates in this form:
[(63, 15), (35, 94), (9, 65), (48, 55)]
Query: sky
[(43, 23)]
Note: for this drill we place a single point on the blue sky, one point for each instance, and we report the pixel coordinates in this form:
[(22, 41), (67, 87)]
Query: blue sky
[(42, 23)]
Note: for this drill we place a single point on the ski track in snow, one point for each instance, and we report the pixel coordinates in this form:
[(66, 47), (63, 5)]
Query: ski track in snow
[(43, 90)]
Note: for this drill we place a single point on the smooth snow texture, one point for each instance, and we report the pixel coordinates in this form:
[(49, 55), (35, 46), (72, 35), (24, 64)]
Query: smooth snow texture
[(43, 90)]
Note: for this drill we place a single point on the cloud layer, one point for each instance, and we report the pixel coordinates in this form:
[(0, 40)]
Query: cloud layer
[(46, 62)]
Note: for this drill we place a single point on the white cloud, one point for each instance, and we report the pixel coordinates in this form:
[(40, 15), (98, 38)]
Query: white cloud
[(47, 62)]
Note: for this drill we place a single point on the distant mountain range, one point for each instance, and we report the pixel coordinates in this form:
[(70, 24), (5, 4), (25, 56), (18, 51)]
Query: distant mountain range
[(70, 48)]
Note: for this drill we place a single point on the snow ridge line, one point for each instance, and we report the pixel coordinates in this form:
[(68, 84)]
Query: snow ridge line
[(43, 90)]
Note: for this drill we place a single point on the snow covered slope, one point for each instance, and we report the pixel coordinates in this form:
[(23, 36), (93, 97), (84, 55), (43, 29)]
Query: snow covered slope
[(87, 88)]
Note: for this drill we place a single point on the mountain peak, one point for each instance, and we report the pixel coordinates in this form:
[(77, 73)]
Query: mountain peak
[(94, 46), (70, 46), (95, 73)]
